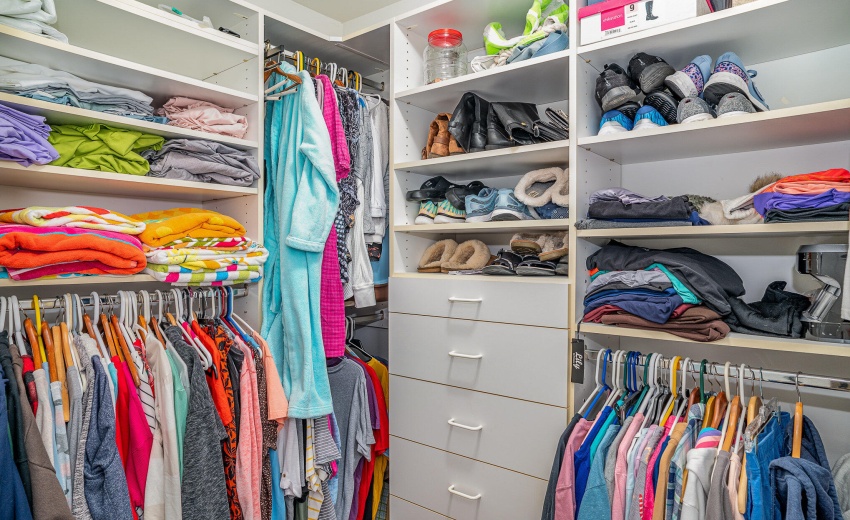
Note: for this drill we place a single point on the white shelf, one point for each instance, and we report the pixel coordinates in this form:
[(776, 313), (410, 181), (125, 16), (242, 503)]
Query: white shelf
[(79, 280), (732, 340), (67, 115), (538, 80), (797, 126), (486, 278), (509, 226), (102, 68), (60, 178), (747, 231), (761, 31), (516, 160)]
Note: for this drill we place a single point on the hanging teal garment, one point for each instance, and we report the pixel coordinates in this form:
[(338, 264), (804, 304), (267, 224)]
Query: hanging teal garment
[(301, 199)]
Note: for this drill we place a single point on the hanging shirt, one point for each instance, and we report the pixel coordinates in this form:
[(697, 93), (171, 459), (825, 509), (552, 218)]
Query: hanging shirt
[(136, 439), (595, 504), (62, 462), (660, 506), (565, 503), (301, 198), (88, 354), (679, 460), (582, 456), (180, 378), (611, 460), (13, 498), (204, 492), (14, 418), (618, 505), (162, 491)]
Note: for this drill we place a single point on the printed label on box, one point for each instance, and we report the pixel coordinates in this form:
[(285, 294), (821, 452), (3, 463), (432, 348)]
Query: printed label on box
[(613, 18)]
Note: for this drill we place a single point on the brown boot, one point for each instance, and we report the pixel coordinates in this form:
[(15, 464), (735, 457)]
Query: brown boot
[(438, 145)]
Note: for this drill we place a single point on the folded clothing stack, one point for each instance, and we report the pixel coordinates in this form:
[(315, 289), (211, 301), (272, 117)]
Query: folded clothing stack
[(619, 208), (189, 246), (32, 16), (23, 138), (204, 116), (811, 197), (41, 242), (202, 161), (680, 291), (46, 84), (103, 148)]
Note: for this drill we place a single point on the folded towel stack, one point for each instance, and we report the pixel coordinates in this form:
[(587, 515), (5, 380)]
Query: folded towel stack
[(189, 246), (204, 116), (41, 242), (103, 148), (46, 84), (32, 16), (23, 138), (811, 197), (202, 161)]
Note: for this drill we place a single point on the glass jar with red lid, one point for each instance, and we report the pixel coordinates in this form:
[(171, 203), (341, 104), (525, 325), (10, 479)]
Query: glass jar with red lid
[(445, 55)]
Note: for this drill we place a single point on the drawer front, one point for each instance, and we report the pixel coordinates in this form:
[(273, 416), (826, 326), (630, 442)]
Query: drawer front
[(488, 357), (405, 510), (423, 475), (510, 433), (525, 303)]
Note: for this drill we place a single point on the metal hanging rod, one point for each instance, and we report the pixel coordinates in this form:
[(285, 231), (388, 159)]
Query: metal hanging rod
[(58, 302), (291, 56), (758, 374)]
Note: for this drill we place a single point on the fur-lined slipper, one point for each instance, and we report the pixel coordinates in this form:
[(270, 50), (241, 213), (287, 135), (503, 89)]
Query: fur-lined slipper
[(550, 246), (539, 187), (469, 255), (436, 255)]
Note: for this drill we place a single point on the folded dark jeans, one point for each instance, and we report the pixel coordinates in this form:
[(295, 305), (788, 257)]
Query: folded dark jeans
[(676, 208), (839, 212), (779, 313)]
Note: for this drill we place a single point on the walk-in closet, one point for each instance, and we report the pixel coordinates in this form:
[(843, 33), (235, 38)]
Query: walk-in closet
[(597, 251)]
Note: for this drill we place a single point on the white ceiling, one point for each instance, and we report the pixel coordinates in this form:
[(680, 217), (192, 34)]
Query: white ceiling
[(345, 10)]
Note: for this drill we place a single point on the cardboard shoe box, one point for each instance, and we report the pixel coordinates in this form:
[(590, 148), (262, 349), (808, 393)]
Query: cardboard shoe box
[(613, 18)]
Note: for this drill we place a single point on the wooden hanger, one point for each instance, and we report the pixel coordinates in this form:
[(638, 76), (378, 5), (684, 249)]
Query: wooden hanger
[(122, 343), (797, 443), (110, 339), (59, 355), (32, 336), (47, 338), (37, 306)]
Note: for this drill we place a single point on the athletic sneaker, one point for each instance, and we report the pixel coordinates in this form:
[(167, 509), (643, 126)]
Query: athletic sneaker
[(614, 88), (649, 117), (629, 109), (730, 75), (693, 109), (649, 71), (734, 104), (614, 122), (427, 212), (448, 214), (508, 207), (690, 81), (479, 208), (665, 103)]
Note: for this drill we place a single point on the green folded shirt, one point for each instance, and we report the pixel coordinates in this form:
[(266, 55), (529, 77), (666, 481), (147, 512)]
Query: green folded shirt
[(103, 148)]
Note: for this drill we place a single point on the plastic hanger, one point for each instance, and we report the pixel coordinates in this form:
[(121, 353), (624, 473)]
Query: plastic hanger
[(684, 406), (797, 441), (121, 340), (724, 433), (601, 384), (596, 390), (742, 483), (15, 329), (188, 335), (671, 402)]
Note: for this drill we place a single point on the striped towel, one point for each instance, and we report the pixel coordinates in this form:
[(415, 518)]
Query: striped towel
[(166, 226), (84, 217), (199, 258), (227, 276)]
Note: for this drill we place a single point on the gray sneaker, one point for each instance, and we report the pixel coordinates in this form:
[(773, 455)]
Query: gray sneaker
[(693, 109), (734, 104), (508, 207)]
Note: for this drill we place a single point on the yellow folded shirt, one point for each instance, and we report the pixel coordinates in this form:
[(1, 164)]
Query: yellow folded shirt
[(168, 225)]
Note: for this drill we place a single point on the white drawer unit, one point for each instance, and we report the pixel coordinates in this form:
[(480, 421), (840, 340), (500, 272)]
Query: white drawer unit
[(489, 357), (481, 426), (400, 508), (462, 488), (525, 303)]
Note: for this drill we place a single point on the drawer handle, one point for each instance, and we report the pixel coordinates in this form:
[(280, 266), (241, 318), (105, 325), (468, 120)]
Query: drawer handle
[(465, 427), (453, 491), (465, 300), (465, 356)]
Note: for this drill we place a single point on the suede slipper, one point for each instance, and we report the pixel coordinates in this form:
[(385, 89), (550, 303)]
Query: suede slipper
[(457, 194), (532, 265), (550, 246), (433, 189), (469, 255), (504, 265), (540, 187), (436, 255)]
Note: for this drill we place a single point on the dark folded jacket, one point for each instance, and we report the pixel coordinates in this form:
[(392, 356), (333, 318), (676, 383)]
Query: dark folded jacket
[(676, 208), (712, 280), (838, 212), (779, 313)]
